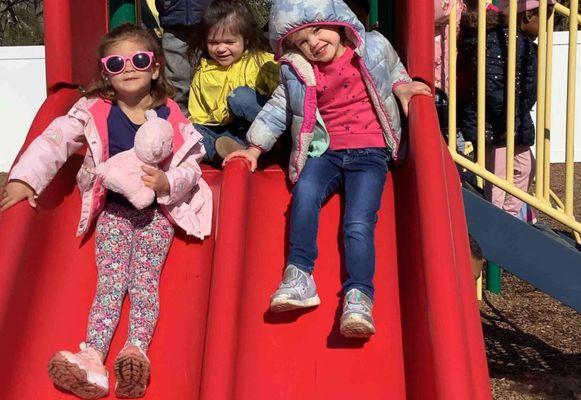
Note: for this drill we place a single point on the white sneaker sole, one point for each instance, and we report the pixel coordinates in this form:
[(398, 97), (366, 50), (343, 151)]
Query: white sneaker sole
[(279, 304), (355, 326)]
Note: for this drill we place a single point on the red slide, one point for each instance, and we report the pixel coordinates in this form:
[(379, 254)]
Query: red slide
[(215, 339)]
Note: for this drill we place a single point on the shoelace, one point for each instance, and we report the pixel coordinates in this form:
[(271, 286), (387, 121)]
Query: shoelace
[(357, 306)]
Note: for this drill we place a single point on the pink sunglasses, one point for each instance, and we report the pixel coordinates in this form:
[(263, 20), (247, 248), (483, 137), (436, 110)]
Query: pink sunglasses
[(115, 64)]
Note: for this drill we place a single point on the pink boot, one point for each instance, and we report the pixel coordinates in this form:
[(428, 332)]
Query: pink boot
[(82, 373), (132, 372)]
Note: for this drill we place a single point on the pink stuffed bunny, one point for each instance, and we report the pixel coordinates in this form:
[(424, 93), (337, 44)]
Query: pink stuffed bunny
[(122, 173)]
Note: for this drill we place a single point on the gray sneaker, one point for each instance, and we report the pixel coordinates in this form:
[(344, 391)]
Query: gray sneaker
[(297, 290), (357, 321)]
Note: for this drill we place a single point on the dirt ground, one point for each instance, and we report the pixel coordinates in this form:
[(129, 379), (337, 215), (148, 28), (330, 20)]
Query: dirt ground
[(533, 342)]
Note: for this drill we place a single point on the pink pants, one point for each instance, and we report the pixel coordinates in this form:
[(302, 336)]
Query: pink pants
[(524, 169)]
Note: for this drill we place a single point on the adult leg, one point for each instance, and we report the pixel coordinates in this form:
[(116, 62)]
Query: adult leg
[(178, 69)]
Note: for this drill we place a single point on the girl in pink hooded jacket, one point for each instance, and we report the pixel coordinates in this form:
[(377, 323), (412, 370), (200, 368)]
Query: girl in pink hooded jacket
[(131, 245)]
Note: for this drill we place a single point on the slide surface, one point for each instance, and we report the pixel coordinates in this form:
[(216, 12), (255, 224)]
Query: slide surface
[(215, 339)]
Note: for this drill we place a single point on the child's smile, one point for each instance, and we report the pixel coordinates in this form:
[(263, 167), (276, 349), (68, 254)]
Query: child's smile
[(319, 43), (224, 46)]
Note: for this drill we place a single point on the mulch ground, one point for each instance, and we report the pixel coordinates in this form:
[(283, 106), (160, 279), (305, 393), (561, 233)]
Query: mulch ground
[(533, 342)]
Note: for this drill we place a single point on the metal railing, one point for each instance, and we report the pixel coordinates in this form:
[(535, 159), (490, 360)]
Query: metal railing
[(543, 199)]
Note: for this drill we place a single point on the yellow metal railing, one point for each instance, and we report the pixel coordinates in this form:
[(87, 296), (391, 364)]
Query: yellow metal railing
[(543, 198)]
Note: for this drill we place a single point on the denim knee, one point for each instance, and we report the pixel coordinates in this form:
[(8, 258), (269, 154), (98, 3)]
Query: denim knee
[(239, 99), (358, 230), (307, 194)]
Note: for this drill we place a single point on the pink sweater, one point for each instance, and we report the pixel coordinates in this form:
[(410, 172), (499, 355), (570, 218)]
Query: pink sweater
[(345, 106)]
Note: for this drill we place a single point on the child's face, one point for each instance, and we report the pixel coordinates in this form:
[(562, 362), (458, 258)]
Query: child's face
[(131, 82), (224, 46), (531, 22), (319, 43)]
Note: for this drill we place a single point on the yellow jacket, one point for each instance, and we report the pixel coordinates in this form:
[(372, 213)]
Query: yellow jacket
[(212, 84)]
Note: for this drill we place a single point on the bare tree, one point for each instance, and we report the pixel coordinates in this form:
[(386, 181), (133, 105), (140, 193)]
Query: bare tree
[(21, 22)]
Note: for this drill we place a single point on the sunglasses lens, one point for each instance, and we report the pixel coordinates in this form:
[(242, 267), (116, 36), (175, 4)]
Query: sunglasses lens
[(115, 64), (141, 61)]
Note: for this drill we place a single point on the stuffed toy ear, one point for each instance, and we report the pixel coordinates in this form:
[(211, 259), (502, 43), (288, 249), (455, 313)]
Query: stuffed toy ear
[(150, 114)]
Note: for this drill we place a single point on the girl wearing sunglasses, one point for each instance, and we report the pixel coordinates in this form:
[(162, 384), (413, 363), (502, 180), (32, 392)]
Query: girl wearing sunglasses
[(131, 245)]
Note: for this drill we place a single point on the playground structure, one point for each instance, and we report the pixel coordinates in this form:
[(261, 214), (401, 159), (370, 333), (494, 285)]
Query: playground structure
[(215, 338), (537, 251)]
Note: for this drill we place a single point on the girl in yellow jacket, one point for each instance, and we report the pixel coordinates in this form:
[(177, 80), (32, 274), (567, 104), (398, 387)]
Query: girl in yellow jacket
[(235, 76)]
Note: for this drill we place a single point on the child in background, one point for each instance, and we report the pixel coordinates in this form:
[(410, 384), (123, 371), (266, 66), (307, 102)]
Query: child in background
[(130, 245), (442, 10), (234, 78), (496, 86), (337, 96), (179, 18)]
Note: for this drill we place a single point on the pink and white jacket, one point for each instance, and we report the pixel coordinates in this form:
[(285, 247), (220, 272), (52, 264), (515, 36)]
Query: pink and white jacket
[(189, 202)]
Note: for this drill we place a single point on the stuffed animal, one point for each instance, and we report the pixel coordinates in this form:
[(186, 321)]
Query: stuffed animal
[(122, 173)]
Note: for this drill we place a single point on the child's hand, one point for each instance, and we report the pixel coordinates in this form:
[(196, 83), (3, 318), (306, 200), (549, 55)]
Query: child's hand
[(406, 91), (155, 179), (14, 192), (251, 154)]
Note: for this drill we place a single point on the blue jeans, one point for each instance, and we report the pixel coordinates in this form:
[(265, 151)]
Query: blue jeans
[(362, 174), (245, 104)]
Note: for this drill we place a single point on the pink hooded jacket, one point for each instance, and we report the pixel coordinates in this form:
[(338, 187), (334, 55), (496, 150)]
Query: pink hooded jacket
[(189, 203)]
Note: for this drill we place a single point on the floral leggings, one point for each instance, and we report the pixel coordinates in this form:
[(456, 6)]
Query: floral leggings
[(131, 247)]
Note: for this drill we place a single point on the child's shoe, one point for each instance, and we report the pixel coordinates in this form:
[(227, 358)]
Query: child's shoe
[(226, 145), (297, 290), (82, 373), (132, 372), (357, 321)]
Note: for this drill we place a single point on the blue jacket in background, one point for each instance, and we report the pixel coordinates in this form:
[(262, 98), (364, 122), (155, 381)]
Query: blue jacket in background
[(496, 85), (180, 12)]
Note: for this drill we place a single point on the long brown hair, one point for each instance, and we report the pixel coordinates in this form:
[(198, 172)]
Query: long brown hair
[(227, 13), (161, 89)]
